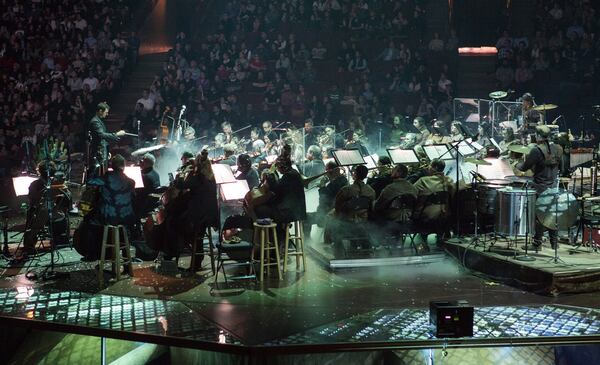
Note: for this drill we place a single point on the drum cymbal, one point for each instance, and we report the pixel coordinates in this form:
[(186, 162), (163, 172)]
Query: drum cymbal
[(498, 94), (544, 107), (557, 207), (519, 148), (476, 161)]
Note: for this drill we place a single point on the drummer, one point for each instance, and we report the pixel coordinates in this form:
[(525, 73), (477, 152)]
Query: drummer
[(544, 160)]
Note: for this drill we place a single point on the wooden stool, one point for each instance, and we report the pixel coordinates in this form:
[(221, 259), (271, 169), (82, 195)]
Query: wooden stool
[(117, 236), (298, 239), (210, 250), (261, 235)]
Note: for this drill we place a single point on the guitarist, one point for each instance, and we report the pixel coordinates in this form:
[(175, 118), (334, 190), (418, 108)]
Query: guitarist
[(98, 139)]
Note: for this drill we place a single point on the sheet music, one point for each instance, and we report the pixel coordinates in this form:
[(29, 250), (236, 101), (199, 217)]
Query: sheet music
[(223, 173), (348, 157), (234, 191), (437, 151), (403, 156)]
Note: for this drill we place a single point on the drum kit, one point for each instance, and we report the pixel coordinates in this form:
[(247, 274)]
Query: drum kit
[(509, 208)]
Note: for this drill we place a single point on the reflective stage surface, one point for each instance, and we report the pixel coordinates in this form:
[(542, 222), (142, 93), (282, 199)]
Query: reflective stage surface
[(173, 322)]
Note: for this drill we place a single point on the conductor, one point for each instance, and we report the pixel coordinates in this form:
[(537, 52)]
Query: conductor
[(98, 139)]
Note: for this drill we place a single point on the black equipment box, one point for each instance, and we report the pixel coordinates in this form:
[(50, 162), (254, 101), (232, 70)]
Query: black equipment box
[(451, 319)]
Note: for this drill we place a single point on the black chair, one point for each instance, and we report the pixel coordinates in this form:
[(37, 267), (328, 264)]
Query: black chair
[(437, 225), (404, 225), (236, 248)]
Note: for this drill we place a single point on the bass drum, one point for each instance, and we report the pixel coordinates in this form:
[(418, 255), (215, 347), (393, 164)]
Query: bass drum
[(557, 207)]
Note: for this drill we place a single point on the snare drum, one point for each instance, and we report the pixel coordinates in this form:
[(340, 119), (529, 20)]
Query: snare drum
[(515, 212)]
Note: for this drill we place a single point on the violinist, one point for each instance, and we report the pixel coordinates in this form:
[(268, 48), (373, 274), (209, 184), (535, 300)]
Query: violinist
[(229, 155), (228, 133), (245, 171), (254, 137), (268, 132), (199, 210)]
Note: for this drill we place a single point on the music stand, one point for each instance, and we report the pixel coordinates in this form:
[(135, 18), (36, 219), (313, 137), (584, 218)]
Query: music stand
[(440, 151), (349, 157), (21, 184), (234, 191), (400, 156), (134, 173), (223, 176), (371, 161)]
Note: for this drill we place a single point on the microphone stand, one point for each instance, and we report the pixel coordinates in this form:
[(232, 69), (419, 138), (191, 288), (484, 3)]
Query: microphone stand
[(526, 256)]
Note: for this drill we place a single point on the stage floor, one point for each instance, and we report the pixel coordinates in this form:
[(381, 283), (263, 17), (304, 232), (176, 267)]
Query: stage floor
[(327, 311)]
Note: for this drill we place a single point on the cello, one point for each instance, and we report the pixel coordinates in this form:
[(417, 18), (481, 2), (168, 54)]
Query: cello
[(163, 128)]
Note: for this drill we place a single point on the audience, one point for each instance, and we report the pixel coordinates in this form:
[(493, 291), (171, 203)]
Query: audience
[(57, 61)]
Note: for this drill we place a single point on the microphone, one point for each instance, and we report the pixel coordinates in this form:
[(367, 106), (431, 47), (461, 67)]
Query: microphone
[(477, 175)]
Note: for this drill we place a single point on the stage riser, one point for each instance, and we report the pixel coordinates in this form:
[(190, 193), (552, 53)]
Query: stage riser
[(553, 279)]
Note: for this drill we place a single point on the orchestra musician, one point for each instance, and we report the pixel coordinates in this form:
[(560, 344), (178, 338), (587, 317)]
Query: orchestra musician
[(545, 162), (310, 136), (245, 171), (314, 164), (357, 189), (456, 131), (419, 124), (268, 132), (531, 117), (99, 139), (228, 133), (287, 203), (329, 187), (382, 175), (229, 155), (397, 188), (117, 192), (354, 142), (410, 140), (151, 180), (432, 209), (198, 211), (36, 206)]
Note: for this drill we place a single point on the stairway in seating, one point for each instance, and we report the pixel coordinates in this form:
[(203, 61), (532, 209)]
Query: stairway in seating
[(141, 78), (522, 13), (437, 14), (475, 76)]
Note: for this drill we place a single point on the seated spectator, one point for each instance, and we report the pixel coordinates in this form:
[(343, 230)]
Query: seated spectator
[(318, 52), (358, 63), (436, 44), (505, 76), (390, 53)]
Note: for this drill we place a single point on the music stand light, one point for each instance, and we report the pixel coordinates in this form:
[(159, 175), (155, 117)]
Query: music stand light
[(134, 173), (21, 184), (350, 157), (400, 156), (223, 174), (234, 191)]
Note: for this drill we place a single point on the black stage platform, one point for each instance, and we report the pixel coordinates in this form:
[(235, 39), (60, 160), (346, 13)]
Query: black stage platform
[(575, 271)]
